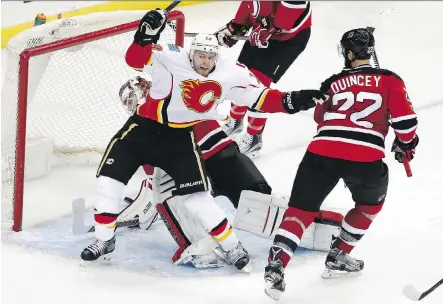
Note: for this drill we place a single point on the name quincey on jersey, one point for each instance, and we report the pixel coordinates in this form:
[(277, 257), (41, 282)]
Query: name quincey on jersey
[(344, 83)]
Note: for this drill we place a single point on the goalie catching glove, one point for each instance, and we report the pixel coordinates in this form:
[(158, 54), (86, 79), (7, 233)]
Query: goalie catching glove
[(150, 27), (132, 91)]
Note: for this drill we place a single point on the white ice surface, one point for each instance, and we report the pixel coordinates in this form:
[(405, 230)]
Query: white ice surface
[(403, 245)]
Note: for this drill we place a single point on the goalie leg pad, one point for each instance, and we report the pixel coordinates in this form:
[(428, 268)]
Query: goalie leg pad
[(262, 215), (173, 226), (204, 209), (195, 244), (187, 221)]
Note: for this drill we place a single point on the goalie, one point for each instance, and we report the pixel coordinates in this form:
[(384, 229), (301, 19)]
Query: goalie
[(230, 172)]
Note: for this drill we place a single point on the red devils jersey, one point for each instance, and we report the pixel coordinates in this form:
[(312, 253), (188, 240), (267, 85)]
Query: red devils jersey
[(289, 16), (210, 138), (363, 103)]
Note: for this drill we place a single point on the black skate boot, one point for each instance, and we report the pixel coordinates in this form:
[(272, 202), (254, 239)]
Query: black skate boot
[(233, 126), (340, 264), (274, 276), (239, 257), (251, 145), (98, 249)]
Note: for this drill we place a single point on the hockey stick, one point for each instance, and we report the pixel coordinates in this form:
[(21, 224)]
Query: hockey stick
[(171, 6), (234, 37), (142, 220), (415, 295), (377, 65), (78, 220)]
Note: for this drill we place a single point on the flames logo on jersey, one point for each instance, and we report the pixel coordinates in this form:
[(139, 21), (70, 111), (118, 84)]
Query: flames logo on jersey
[(200, 96)]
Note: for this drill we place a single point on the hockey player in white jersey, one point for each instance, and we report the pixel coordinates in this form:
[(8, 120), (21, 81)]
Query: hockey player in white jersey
[(186, 89)]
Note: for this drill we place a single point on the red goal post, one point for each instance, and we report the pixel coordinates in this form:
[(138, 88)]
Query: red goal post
[(61, 87)]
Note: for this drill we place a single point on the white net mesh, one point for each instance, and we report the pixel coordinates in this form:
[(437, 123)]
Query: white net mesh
[(72, 93)]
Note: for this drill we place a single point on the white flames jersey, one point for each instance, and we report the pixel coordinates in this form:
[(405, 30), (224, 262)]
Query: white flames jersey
[(180, 97)]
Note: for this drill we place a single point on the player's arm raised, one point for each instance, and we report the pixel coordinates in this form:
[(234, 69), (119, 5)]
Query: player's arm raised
[(139, 52), (403, 120)]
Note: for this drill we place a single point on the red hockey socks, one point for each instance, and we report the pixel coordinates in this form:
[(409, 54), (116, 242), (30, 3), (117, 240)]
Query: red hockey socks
[(288, 236), (238, 112), (355, 224)]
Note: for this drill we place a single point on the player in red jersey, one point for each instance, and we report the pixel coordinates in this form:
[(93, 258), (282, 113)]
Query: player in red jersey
[(280, 33), (349, 145)]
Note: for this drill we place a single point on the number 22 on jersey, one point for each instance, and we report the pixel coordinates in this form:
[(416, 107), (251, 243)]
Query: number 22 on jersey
[(371, 102)]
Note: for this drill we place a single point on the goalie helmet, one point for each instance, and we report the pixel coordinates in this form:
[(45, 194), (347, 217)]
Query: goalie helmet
[(359, 41), (205, 43)]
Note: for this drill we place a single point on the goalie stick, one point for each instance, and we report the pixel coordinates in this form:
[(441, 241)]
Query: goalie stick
[(234, 37), (79, 210), (416, 295), (377, 65)]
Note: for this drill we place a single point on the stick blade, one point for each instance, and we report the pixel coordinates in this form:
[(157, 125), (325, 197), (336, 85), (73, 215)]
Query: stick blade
[(411, 293)]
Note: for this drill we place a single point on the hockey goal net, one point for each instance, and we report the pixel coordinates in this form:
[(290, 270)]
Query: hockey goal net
[(60, 93)]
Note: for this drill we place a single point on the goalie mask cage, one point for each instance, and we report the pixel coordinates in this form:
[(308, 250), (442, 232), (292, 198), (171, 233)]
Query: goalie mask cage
[(62, 83)]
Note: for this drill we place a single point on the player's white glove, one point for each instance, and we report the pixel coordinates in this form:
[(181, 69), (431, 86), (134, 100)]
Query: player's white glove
[(132, 91)]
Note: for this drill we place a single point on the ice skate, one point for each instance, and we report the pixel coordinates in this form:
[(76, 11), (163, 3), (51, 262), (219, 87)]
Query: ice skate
[(239, 257), (233, 126), (99, 250), (274, 276), (340, 264), (251, 145)]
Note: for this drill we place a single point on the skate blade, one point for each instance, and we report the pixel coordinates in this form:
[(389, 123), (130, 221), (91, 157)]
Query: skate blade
[(272, 292), (103, 260), (253, 155), (338, 274), (210, 264), (247, 268)]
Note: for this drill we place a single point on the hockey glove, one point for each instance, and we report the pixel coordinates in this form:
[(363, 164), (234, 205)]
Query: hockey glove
[(225, 33), (303, 100), (404, 150), (132, 91), (150, 27), (261, 34)]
